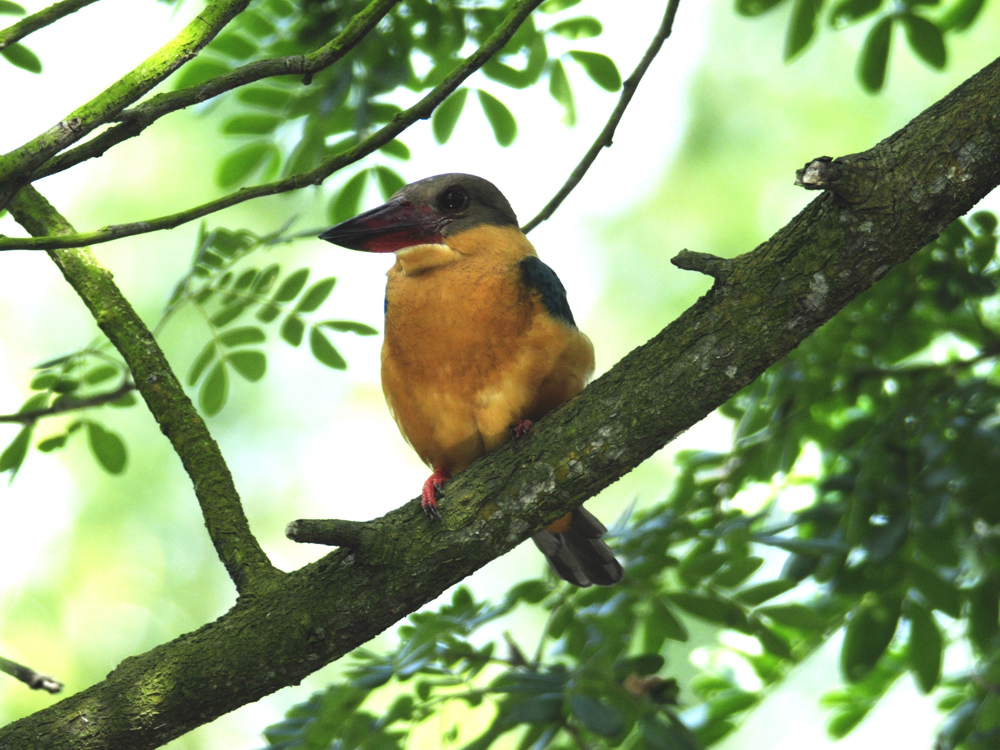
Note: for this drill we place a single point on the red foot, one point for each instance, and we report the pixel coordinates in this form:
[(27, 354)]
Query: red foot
[(428, 501), (520, 430)]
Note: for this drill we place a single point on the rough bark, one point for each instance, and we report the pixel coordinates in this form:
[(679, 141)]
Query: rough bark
[(880, 207)]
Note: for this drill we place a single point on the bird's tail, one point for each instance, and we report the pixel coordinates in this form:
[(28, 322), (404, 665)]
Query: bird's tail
[(576, 552)]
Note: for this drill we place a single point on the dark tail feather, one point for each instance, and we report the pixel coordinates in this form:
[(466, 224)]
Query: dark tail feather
[(578, 554)]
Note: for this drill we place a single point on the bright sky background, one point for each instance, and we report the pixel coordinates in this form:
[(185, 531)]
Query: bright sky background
[(303, 439)]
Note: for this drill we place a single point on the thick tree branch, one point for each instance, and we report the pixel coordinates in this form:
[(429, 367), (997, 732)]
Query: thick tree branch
[(421, 110), (31, 678), (606, 138), (17, 166), (137, 119), (39, 20), (929, 173), (68, 404), (239, 551)]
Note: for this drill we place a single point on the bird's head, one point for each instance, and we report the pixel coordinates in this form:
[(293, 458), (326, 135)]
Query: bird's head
[(425, 212)]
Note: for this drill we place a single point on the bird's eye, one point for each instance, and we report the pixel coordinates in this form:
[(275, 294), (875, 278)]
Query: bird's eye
[(453, 199)]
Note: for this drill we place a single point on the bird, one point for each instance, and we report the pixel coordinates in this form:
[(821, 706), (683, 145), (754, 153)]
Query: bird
[(479, 344)]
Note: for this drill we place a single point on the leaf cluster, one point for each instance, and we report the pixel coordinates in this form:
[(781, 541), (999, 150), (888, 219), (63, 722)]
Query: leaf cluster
[(924, 22)]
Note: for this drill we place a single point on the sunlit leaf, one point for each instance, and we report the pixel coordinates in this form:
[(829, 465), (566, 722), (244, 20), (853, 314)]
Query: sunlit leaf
[(13, 455), (397, 150), (100, 374), (601, 69), (22, 57), (388, 181), (240, 164), (293, 284), (242, 336), (961, 14), (347, 202), (349, 326), (755, 7), (269, 97), (257, 124), (562, 92), (199, 70), (215, 390), (7, 8), (555, 6), (874, 56), (293, 329), (499, 117), (324, 351), (583, 27), (801, 26), (445, 117), (250, 363), (316, 295), (925, 39), (850, 11), (235, 45), (108, 448)]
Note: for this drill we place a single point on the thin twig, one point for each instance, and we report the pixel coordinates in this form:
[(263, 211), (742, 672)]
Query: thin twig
[(135, 120), (17, 166), (420, 111), (70, 404), (606, 138), (39, 20), (31, 678)]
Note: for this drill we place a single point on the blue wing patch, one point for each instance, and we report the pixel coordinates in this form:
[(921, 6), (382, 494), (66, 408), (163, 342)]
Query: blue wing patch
[(539, 277)]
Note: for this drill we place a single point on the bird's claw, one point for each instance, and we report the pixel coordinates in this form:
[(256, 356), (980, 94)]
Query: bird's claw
[(428, 497), (520, 429)]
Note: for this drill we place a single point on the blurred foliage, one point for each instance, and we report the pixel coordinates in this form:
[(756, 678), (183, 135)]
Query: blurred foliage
[(223, 288), (925, 24), (287, 127), (899, 396)]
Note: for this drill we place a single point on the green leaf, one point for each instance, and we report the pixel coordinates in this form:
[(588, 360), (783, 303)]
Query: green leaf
[(50, 444), (754, 595), (250, 363), (939, 593), (874, 55), (256, 124), (600, 68), (22, 57), (713, 609), (924, 647), (583, 27), (215, 390), (348, 326), (8, 8), (242, 336), (347, 203), (960, 15), (202, 361), (43, 381), (850, 11), (235, 45), (662, 624), (801, 26), (984, 604), (866, 637), (555, 6), (324, 351), (397, 150), (293, 329), (316, 295), (562, 92), (13, 455), (127, 399), (388, 180), (756, 7), (108, 448), (597, 717), (100, 374), (445, 117), (794, 616), (769, 640), (926, 39), (291, 286), (199, 70), (734, 572), (240, 164), (499, 117)]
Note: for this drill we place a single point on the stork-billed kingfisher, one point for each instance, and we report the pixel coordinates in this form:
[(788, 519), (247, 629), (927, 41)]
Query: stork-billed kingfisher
[(479, 341)]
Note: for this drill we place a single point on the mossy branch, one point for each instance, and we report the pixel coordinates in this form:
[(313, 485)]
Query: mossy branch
[(421, 110), (236, 546), (46, 17), (135, 120), (772, 299), (17, 166)]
